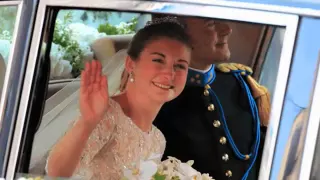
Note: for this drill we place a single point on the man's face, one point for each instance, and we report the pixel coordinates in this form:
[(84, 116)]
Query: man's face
[(209, 39)]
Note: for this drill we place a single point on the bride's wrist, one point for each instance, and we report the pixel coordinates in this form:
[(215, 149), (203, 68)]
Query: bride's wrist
[(86, 129)]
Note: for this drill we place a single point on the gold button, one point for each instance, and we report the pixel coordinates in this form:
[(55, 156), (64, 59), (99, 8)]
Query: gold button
[(247, 157), (198, 81), (197, 75), (192, 79), (207, 86), (216, 123), (225, 157), (223, 140), (211, 107), (229, 173), (243, 73), (206, 92)]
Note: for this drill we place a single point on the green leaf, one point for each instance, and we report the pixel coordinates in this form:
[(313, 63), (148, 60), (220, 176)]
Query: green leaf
[(159, 176)]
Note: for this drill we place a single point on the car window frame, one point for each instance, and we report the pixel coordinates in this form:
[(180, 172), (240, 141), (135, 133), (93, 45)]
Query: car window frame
[(290, 21)]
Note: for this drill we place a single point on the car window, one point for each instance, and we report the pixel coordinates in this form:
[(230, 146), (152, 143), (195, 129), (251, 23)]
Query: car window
[(7, 22), (75, 32), (272, 60)]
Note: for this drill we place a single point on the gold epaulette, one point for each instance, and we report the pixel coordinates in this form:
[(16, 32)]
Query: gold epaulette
[(259, 92), (229, 67)]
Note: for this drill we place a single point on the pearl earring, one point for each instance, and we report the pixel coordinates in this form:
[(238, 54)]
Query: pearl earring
[(131, 77)]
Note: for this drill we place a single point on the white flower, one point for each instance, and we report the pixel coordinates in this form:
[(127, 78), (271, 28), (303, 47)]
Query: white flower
[(83, 33), (187, 170), (60, 68), (145, 171), (206, 177), (174, 167)]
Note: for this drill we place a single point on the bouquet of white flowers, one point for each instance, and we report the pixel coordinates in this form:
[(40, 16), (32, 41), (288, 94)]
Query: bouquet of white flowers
[(170, 169)]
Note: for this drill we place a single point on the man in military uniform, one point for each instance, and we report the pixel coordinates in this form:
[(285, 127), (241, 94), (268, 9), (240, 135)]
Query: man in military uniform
[(220, 118)]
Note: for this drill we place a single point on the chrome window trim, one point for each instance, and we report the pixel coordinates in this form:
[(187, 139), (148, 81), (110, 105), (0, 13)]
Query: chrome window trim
[(10, 3), (312, 129), (228, 13), (256, 6)]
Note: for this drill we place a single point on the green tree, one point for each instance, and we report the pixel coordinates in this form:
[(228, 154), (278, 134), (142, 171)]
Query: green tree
[(62, 37), (73, 52), (122, 28)]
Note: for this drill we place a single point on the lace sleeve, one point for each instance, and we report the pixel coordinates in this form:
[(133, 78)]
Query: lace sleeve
[(162, 141), (98, 138), (163, 146), (101, 134)]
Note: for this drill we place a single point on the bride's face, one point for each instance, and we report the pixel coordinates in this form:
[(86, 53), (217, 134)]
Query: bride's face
[(160, 72)]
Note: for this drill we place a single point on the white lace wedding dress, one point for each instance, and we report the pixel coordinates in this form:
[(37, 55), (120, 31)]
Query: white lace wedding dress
[(117, 143)]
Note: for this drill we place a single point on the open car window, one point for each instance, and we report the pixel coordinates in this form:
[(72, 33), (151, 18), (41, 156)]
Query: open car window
[(76, 30), (82, 35), (75, 40)]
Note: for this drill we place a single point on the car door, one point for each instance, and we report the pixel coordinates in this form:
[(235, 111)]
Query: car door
[(37, 79), (16, 27)]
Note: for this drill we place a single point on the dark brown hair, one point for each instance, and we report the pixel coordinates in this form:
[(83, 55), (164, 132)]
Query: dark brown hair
[(171, 30)]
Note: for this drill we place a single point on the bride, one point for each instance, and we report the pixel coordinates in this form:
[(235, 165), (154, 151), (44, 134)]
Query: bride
[(113, 133)]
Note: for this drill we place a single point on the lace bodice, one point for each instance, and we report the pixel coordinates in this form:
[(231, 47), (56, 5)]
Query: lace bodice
[(117, 143)]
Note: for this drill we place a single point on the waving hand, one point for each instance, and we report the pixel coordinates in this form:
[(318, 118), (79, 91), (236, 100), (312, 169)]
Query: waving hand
[(93, 94)]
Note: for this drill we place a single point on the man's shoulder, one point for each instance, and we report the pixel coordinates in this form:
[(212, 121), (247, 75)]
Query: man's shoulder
[(226, 75), (230, 68)]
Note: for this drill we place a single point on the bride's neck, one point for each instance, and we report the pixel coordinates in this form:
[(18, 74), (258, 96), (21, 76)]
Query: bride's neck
[(140, 109)]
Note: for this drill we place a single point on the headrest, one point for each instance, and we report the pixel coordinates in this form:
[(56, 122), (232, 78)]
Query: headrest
[(103, 49)]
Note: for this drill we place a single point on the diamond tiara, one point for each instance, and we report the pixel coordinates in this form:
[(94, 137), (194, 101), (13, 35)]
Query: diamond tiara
[(167, 19)]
